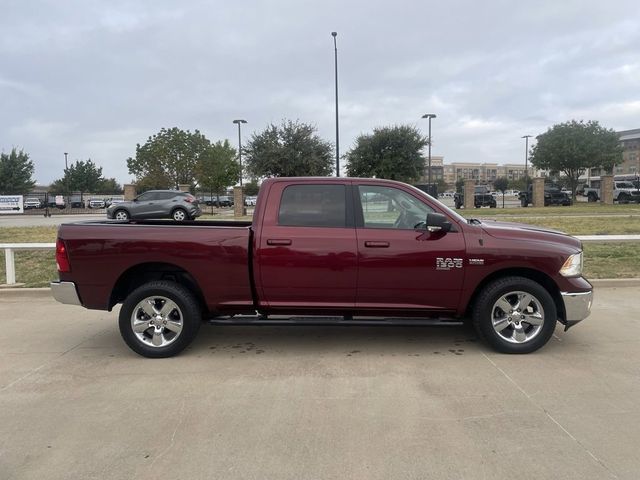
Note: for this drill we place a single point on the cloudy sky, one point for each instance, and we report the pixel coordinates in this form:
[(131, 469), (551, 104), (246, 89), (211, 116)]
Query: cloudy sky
[(93, 78)]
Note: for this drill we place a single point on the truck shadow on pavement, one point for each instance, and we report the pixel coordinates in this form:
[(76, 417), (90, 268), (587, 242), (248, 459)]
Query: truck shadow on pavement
[(236, 341)]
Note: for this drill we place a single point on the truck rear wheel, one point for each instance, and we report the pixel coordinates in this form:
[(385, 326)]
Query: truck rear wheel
[(515, 315), (159, 319), (523, 202)]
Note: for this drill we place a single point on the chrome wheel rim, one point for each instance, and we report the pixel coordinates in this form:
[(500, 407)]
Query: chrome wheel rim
[(179, 215), (157, 321), (517, 317), (121, 215)]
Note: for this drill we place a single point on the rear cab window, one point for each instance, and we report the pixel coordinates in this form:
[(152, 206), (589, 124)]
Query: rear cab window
[(313, 205)]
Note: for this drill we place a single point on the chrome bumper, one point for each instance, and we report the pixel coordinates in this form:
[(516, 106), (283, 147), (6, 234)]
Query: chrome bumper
[(577, 306), (65, 292)]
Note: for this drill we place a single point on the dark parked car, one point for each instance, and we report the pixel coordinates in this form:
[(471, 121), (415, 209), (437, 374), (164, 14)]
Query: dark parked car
[(157, 204), (76, 201), (552, 196), (481, 198)]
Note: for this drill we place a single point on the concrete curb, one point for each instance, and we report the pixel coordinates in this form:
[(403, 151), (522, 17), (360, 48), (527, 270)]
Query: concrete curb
[(6, 292), (615, 282), (11, 293)]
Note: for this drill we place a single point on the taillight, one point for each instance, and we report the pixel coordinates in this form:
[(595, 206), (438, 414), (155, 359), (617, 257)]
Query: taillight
[(62, 260), (189, 198)]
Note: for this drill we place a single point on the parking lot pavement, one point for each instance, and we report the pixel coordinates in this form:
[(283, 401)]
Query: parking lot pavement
[(316, 402)]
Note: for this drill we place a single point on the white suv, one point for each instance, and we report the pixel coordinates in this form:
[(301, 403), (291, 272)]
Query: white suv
[(32, 203)]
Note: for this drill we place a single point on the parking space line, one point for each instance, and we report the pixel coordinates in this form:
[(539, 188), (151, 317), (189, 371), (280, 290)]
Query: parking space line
[(550, 417)]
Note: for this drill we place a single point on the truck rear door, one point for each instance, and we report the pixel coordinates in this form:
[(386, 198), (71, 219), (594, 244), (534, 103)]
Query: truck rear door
[(306, 252)]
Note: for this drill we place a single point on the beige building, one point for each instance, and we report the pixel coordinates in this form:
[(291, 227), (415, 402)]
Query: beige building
[(481, 172), (630, 140)]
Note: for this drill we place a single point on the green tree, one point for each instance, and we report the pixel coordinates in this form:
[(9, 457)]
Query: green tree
[(442, 185), (572, 147), (292, 149), (217, 168), (252, 188), (390, 152), (518, 184), (109, 186), (501, 184), (16, 171), (168, 158), (81, 176), (84, 176)]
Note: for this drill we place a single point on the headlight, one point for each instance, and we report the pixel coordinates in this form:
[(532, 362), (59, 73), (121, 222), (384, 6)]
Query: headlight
[(572, 266)]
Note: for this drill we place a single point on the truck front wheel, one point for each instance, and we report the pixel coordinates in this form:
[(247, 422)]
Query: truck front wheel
[(515, 315), (159, 319)]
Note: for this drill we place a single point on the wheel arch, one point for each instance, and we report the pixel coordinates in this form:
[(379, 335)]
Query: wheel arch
[(142, 273), (536, 275)]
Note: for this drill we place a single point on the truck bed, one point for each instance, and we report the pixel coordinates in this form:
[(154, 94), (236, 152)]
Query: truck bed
[(107, 257)]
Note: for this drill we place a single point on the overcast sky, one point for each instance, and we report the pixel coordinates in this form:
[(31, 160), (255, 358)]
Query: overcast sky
[(93, 78)]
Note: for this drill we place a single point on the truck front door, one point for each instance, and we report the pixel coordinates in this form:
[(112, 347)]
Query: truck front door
[(401, 265), (306, 254)]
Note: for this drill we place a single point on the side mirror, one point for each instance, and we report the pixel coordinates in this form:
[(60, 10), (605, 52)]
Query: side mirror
[(437, 222)]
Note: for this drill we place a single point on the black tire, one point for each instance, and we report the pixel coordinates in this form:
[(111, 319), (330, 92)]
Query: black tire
[(186, 315), (623, 198), (541, 309), (592, 197), (180, 215), (123, 214), (523, 202)]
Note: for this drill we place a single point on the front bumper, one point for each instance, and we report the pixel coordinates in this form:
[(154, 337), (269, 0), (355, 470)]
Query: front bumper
[(577, 306), (65, 292)]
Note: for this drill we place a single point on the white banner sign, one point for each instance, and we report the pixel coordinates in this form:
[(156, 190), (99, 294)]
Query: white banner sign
[(11, 204)]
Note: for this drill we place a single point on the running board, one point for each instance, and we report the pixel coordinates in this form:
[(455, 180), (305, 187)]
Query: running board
[(332, 321)]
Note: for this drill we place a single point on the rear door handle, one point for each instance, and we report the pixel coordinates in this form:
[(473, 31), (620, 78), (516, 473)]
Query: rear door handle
[(376, 244), (278, 241)]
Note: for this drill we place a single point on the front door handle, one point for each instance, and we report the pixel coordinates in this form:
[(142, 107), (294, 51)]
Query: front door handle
[(278, 241), (370, 244)]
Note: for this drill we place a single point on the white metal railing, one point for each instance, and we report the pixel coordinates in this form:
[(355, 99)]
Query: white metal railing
[(9, 258), (10, 248)]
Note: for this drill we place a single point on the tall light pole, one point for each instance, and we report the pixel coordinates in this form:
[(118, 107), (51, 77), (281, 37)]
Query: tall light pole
[(429, 116), (526, 158), (66, 167), (239, 122), (335, 49)]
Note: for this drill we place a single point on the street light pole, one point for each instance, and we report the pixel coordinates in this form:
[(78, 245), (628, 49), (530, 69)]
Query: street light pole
[(335, 48), (239, 122), (526, 158), (429, 116), (66, 180)]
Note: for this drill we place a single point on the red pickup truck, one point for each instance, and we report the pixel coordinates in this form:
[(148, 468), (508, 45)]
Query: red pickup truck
[(340, 247)]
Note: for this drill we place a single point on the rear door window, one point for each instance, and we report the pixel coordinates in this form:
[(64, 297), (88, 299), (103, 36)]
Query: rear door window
[(313, 206)]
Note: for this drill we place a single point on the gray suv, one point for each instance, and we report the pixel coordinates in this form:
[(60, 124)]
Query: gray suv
[(180, 206)]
